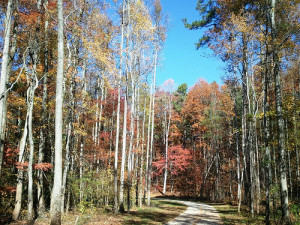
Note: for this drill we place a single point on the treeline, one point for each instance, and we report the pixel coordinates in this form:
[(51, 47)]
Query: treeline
[(77, 105), (83, 125), (259, 41)]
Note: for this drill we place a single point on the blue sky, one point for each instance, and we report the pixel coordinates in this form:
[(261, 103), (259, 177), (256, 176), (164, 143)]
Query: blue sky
[(180, 59)]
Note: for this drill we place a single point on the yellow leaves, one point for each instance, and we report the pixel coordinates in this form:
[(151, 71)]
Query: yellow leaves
[(140, 19), (97, 40), (79, 129)]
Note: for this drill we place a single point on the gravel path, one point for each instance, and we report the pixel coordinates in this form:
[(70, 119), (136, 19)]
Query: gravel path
[(196, 213)]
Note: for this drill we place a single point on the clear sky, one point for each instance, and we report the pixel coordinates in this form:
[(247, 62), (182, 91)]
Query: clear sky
[(180, 60)]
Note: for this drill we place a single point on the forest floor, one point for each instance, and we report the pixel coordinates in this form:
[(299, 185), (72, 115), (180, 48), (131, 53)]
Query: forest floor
[(172, 211), (229, 215), (160, 212)]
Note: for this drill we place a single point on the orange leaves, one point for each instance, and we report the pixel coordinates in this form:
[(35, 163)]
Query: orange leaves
[(43, 166), (31, 19), (39, 166), (21, 166)]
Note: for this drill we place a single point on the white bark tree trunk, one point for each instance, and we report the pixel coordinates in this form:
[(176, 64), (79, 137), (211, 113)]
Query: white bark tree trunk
[(280, 120), (21, 159), (41, 198), (118, 114), (55, 205), (30, 102), (4, 75), (167, 144), (152, 130)]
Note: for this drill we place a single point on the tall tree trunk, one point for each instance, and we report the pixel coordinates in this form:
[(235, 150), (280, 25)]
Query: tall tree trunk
[(280, 120), (117, 151), (238, 163), (148, 143), (21, 159), (81, 169), (245, 128), (41, 198), (4, 75), (55, 205), (142, 156), (130, 154), (152, 129), (268, 169), (33, 86), (118, 113), (69, 138), (30, 102), (121, 198), (167, 143), (138, 157)]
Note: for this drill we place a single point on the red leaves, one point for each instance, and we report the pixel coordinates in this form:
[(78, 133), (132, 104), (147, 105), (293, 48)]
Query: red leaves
[(7, 190), (39, 166), (43, 166), (10, 156), (179, 160)]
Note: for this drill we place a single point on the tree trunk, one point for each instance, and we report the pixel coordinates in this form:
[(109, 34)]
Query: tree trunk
[(167, 143), (152, 130), (70, 129), (142, 156), (41, 198), (118, 113), (280, 120), (30, 102), (121, 198), (19, 189), (238, 163), (148, 144), (4, 74), (55, 205), (30, 213), (245, 128), (130, 162), (268, 170)]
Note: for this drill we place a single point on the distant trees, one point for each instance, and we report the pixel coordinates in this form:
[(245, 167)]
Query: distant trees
[(84, 125), (247, 35)]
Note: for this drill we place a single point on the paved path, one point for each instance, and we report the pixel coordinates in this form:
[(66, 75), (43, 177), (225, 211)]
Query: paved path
[(196, 213)]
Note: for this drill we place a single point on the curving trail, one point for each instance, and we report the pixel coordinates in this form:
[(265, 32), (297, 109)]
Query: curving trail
[(196, 213)]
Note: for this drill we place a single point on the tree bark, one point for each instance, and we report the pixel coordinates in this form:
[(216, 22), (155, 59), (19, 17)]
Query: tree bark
[(268, 169), (152, 129), (123, 160), (30, 102), (4, 75), (142, 156), (280, 120), (21, 159), (167, 144), (118, 113), (55, 205)]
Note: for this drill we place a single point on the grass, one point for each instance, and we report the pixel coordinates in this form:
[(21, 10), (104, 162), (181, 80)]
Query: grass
[(229, 215), (160, 212)]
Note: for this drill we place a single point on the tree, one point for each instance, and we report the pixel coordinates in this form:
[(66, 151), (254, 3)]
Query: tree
[(280, 120), (55, 208), (11, 4)]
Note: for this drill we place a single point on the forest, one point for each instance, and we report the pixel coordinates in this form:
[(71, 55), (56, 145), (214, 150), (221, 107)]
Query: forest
[(84, 125)]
